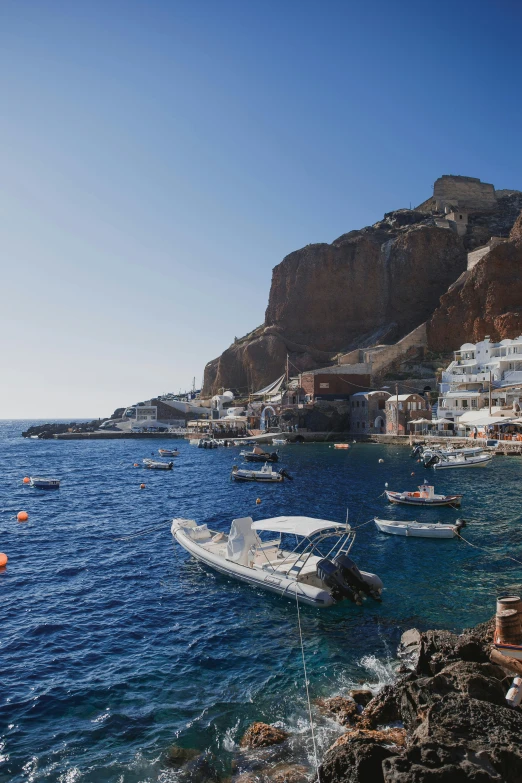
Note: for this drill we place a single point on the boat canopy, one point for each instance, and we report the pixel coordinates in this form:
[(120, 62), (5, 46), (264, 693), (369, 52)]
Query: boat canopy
[(271, 389), (300, 526)]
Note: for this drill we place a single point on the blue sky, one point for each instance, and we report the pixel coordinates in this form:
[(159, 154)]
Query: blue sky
[(159, 158)]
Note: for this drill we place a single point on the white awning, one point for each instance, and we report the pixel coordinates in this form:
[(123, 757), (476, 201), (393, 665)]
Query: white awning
[(299, 526), (420, 421), (272, 388), (482, 422)]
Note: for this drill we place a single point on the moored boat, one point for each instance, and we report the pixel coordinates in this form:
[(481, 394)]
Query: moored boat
[(425, 496), (168, 452), (152, 464), (44, 483), (418, 529), (462, 461), (279, 441), (258, 455), (266, 474), (296, 570), (207, 443), (341, 445)]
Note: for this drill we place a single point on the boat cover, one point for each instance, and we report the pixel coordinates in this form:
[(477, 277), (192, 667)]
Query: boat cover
[(240, 539), (299, 526)]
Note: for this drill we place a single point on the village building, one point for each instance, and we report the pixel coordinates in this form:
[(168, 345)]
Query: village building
[(334, 383), (402, 410), (368, 412)]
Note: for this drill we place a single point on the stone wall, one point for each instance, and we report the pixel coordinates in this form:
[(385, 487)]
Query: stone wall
[(465, 192)]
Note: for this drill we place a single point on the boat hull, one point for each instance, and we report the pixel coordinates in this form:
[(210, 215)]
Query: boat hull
[(272, 582), (451, 464), (509, 650), (45, 483), (411, 530), (275, 478), (448, 500)]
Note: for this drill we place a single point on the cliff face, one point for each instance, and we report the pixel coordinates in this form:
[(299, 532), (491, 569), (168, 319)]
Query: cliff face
[(376, 285), (368, 285), (485, 301)]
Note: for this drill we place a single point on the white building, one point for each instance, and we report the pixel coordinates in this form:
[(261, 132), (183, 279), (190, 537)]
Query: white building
[(473, 363), (465, 382)]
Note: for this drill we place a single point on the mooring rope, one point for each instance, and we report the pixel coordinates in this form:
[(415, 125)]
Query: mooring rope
[(485, 549), (306, 686), (142, 532)]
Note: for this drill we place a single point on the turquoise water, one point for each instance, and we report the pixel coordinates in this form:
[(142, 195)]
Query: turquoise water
[(113, 650)]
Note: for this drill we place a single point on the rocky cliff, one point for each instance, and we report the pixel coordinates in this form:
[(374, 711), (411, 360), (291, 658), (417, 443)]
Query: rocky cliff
[(485, 301), (374, 286), (370, 285)]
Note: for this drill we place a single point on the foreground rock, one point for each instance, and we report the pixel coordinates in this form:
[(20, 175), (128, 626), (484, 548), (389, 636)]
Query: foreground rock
[(261, 735), (456, 724)]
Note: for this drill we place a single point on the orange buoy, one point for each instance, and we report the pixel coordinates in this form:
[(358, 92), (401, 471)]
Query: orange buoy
[(22, 516), (3, 559), (142, 486), (26, 480), (258, 501), (136, 465)]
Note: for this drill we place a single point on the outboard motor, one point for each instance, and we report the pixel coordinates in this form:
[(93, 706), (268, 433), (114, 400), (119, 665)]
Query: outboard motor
[(274, 456), (459, 524), (417, 451), (355, 579), (331, 575), (285, 474), (432, 461)]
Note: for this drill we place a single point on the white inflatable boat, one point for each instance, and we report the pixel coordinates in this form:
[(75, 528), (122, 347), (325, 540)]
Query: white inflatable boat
[(298, 557)]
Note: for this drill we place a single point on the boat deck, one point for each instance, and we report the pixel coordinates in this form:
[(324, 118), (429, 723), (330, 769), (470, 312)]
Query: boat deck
[(268, 557)]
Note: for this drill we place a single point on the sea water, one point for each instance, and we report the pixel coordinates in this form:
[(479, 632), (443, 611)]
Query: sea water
[(115, 648)]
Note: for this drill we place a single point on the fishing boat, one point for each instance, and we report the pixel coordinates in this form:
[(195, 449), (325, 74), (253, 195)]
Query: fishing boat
[(424, 497), (418, 529), (258, 455), (301, 558), (341, 445), (463, 461), (266, 474), (45, 483), (152, 464), (168, 452), (279, 441)]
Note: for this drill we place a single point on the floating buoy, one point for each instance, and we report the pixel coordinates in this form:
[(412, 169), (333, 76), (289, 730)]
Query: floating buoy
[(26, 480), (136, 465), (381, 461), (142, 486), (412, 473), (3, 559), (22, 516), (386, 484), (258, 501)]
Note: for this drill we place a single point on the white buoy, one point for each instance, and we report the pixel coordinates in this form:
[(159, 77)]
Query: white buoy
[(381, 461), (386, 484)]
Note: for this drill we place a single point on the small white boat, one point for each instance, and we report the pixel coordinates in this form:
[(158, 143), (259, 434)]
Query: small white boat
[(266, 474), (424, 497), (45, 483), (418, 529), (207, 443), (290, 563), (463, 461), (168, 452), (258, 455), (152, 464), (279, 441)]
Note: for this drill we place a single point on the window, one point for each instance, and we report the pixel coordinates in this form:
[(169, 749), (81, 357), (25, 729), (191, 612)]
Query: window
[(357, 403), (473, 403), (464, 403), (382, 405), (363, 403), (363, 424)]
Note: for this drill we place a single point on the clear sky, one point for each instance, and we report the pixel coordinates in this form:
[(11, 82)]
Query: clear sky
[(159, 158)]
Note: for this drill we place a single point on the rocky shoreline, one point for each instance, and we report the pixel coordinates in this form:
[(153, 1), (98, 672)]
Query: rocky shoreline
[(444, 720)]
